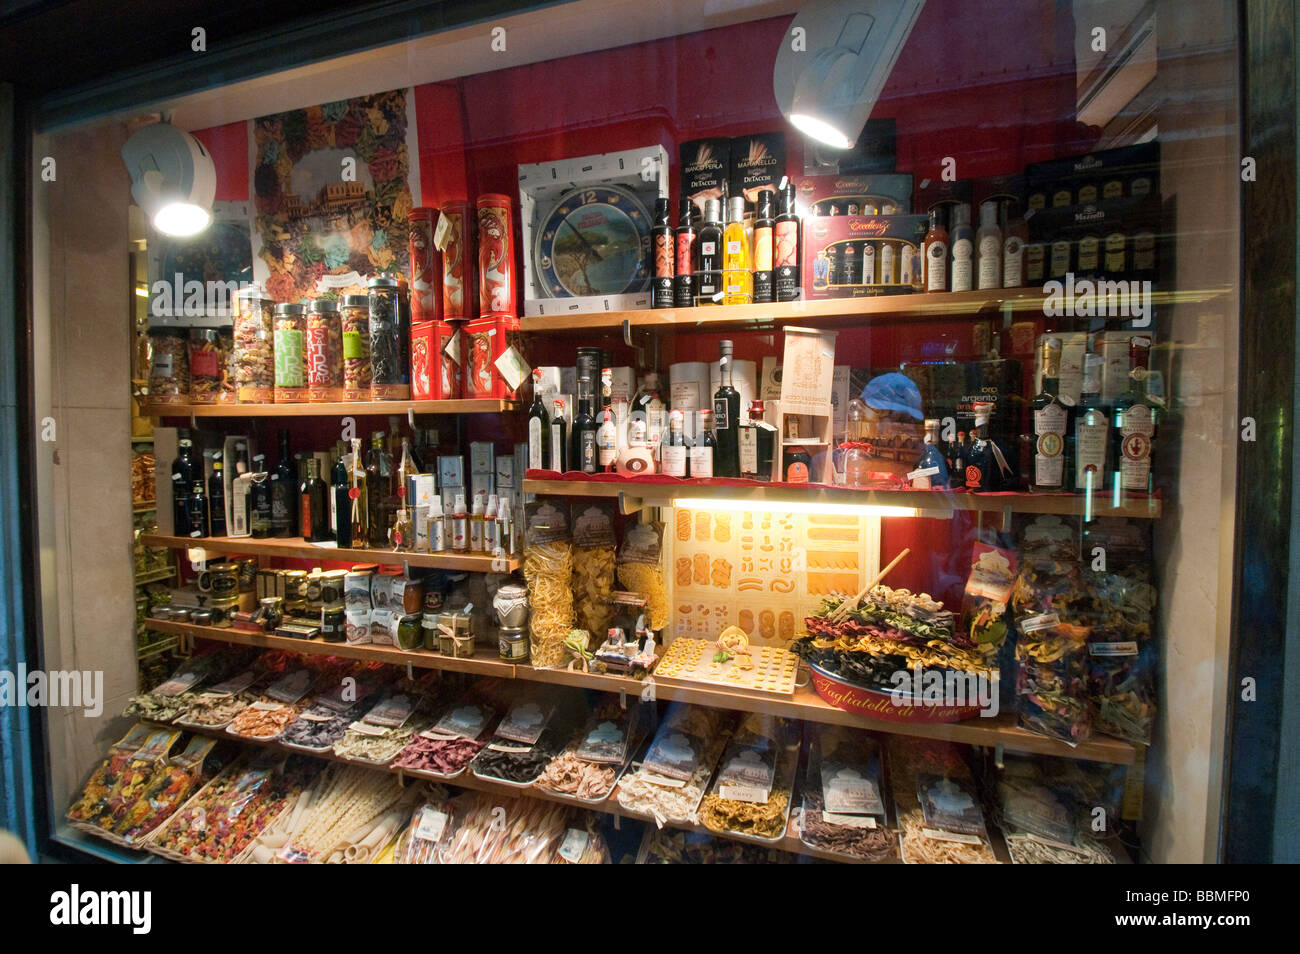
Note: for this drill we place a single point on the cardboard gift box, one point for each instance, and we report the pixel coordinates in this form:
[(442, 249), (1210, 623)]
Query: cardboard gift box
[(888, 194), (885, 252)]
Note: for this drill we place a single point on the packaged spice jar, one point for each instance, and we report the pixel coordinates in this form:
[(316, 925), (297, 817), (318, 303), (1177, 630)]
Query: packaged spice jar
[(205, 366), (290, 354), (254, 354), (324, 352), (387, 365), (169, 368), (355, 322)]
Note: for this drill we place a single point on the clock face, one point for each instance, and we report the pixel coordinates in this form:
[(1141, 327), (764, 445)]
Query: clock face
[(594, 241)]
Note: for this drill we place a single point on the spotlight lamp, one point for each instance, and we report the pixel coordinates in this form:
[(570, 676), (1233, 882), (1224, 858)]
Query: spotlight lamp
[(835, 60), (173, 179)]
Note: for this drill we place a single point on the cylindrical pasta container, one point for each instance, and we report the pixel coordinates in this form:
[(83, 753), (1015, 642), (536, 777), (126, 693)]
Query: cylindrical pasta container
[(404, 331), (169, 367), (324, 352), (387, 371), (254, 356), (205, 366), (459, 285), (496, 256), (226, 360), (290, 354), (355, 322), (426, 266)]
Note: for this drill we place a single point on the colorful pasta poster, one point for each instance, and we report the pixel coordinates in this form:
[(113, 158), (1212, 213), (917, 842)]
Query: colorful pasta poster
[(332, 186)]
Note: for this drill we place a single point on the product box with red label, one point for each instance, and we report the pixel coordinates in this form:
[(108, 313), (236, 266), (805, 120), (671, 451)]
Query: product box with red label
[(436, 356), (854, 195), (861, 256), (494, 355)]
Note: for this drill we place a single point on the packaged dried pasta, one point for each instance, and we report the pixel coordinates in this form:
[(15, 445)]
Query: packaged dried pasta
[(254, 347), (548, 570), (169, 369), (166, 788), (106, 779), (206, 366), (670, 783), (429, 829), (583, 845), (843, 796), (1043, 823), (593, 567), (938, 810), (752, 790), (640, 569)]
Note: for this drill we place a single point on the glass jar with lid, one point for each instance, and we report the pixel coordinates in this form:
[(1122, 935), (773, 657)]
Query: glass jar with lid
[(254, 347), (355, 323), (169, 366), (387, 376), (205, 366), (324, 352), (290, 354)]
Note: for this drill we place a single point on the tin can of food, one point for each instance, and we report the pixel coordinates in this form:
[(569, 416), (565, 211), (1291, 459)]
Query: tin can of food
[(496, 256), (426, 266), (459, 283)]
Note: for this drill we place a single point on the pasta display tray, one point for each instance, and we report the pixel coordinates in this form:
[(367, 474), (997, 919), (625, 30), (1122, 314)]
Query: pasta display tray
[(693, 660)]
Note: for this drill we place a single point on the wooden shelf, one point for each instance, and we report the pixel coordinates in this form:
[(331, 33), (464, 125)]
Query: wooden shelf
[(804, 704), (344, 408), (831, 312), (298, 548), (927, 502), (153, 576)]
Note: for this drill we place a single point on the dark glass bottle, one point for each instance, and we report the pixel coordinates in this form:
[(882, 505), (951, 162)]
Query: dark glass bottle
[(260, 518), (785, 250), (315, 504), (663, 257), (198, 510), (583, 453), (763, 249), (378, 471), (216, 499), (726, 417), (1134, 422), (539, 428), (559, 442), (1052, 430), (764, 437), (986, 466), (284, 493), (182, 481), (684, 277), (960, 454), (341, 505), (708, 260)]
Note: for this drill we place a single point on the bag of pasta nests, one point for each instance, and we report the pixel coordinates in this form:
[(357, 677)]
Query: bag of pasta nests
[(640, 570), (548, 570), (593, 567)]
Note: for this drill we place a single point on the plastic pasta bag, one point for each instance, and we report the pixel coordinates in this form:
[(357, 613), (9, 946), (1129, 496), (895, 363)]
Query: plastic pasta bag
[(640, 570), (548, 570), (593, 567)]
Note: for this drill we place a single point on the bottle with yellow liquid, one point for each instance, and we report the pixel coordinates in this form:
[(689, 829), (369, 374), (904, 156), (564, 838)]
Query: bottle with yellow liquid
[(737, 257)]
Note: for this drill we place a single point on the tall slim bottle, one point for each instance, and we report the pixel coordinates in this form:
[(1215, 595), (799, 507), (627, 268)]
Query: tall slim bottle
[(989, 242), (935, 254), (1135, 419), (284, 493), (1015, 236), (539, 428), (962, 239), (377, 491), (737, 261), (198, 510), (785, 251), (559, 441), (1051, 424), (726, 417), (1091, 431), (217, 498), (259, 522), (340, 503), (584, 455), (663, 261), (687, 237), (708, 261), (183, 476), (358, 498), (763, 244), (315, 506)]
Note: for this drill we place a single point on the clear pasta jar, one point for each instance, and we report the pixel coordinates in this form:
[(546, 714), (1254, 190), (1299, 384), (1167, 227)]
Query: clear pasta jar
[(324, 352), (226, 362), (169, 366), (290, 354), (205, 366), (354, 320), (254, 347), (388, 381)]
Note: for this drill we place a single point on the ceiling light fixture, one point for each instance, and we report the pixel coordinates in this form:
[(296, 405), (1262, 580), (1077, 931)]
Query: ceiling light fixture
[(834, 61), (173, 178)]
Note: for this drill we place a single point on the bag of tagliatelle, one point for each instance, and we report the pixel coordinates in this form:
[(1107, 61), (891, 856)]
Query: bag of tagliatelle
[(548, 570), (593, 566), (640, 569)]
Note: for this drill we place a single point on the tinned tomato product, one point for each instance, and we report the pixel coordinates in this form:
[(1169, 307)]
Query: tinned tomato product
[(496, 256), (426, 266)]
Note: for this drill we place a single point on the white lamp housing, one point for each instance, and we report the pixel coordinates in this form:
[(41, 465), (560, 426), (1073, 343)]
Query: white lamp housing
[(173, 178), (828, 77)]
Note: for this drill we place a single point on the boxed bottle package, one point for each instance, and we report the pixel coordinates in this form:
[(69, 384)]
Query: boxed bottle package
[(888, 194), (861, 256), (757, 163), (1115, 239), (705, 169), (1129, 171)]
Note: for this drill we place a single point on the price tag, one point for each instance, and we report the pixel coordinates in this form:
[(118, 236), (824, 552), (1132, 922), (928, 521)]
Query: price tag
[(849, 821), (1113, 649), (431, 825), (923, 472), (442, 232), (574, 844), (371, 730), (513, 368), (1045, 621), (960, 838), (744, 793)]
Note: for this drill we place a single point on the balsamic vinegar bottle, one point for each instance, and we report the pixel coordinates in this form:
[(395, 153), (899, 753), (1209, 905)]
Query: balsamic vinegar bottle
[(260, 504), (785, 254), (708, 262), (182, 482), (284, 493), (216, 499), (315, 507), (662, 243), (539, 429), (684, 281), (340, 503), (726, 418), (763, 226)]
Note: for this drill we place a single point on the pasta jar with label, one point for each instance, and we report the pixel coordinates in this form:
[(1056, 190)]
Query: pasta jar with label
[(355, 322), (169, 366), (205, 366), (324, 352), (226, 362), (290, 354), (387, 367), (254, 354)]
